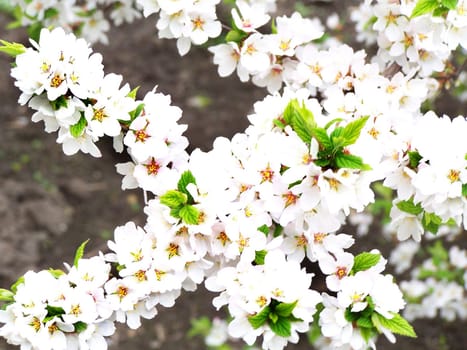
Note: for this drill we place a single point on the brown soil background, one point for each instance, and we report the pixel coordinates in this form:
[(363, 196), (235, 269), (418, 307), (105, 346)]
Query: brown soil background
[(50, 203)]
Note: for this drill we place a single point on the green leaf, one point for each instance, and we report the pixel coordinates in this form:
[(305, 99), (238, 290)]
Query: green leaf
[(6, 295), (278, 230), (133, 93), (136, 113), (322, 137), (53, 311), (185, 179), (365, 322), (175, 212), (285, 309), (424, 6), (264, 229), (14, 286), (235, 35), (34, 31), (364, 261), (59, 103), (189, 214), (259, 257), (397, 324), (279, 123), (351, 132), (77, 129), (80, 326), (300, 119), (431, 222), (79, 253), (332, 122), (450, 4), (56, 272), (12, 49), (50, 12), (408, 206), (414, 159), (464, 190), (282, 327), (350, 161), (260, 318), (273, 317), (174, 199)]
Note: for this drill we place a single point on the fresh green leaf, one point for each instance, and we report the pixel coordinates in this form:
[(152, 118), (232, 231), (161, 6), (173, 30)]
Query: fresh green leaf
[(260, 318), (174, 199), (58, 103), (80, 326), (133, 93), (235, 35), (273, 317), (279, 123), (278, 230), (423, 7), (414, 159), (14, 286), (431, 222), (79, 253), (300, 119), (285, 309), (185, 179), (56, 272), (351, 132), (34, 31), (351, 316), (364, 261), (12, 49), (322, 137), (350, 161), (6, 295), (303, 129), (264, 229), (450, 4), (259, 257), (53, 311), (282, 327), (189, 214), (332, 122), (77, 129), (397, 324), (175, 212), (464, 190), (409, 207), (365, 322), (50, 13), (136, 112)]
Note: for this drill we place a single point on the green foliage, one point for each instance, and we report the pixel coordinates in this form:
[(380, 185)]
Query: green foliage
[(409, 207), (14, 286), (434, 7), (278, 316), (397, 324), (189, 214), (78, 129), (80, 326), (12, 49), (264, 229), (79, 253), (6, 295), (259, 257), (185, 179), (174, 199), (431, 222), (414, 159), (364, 261), (332, 153)]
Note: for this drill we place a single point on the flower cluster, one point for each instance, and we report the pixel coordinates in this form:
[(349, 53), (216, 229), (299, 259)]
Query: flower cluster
[(430, 179), (87, 19), (415, 34)]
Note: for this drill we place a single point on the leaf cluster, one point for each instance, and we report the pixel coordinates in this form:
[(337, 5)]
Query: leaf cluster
[(332, 152), (278, 316), (180, 201), (435, 7)]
